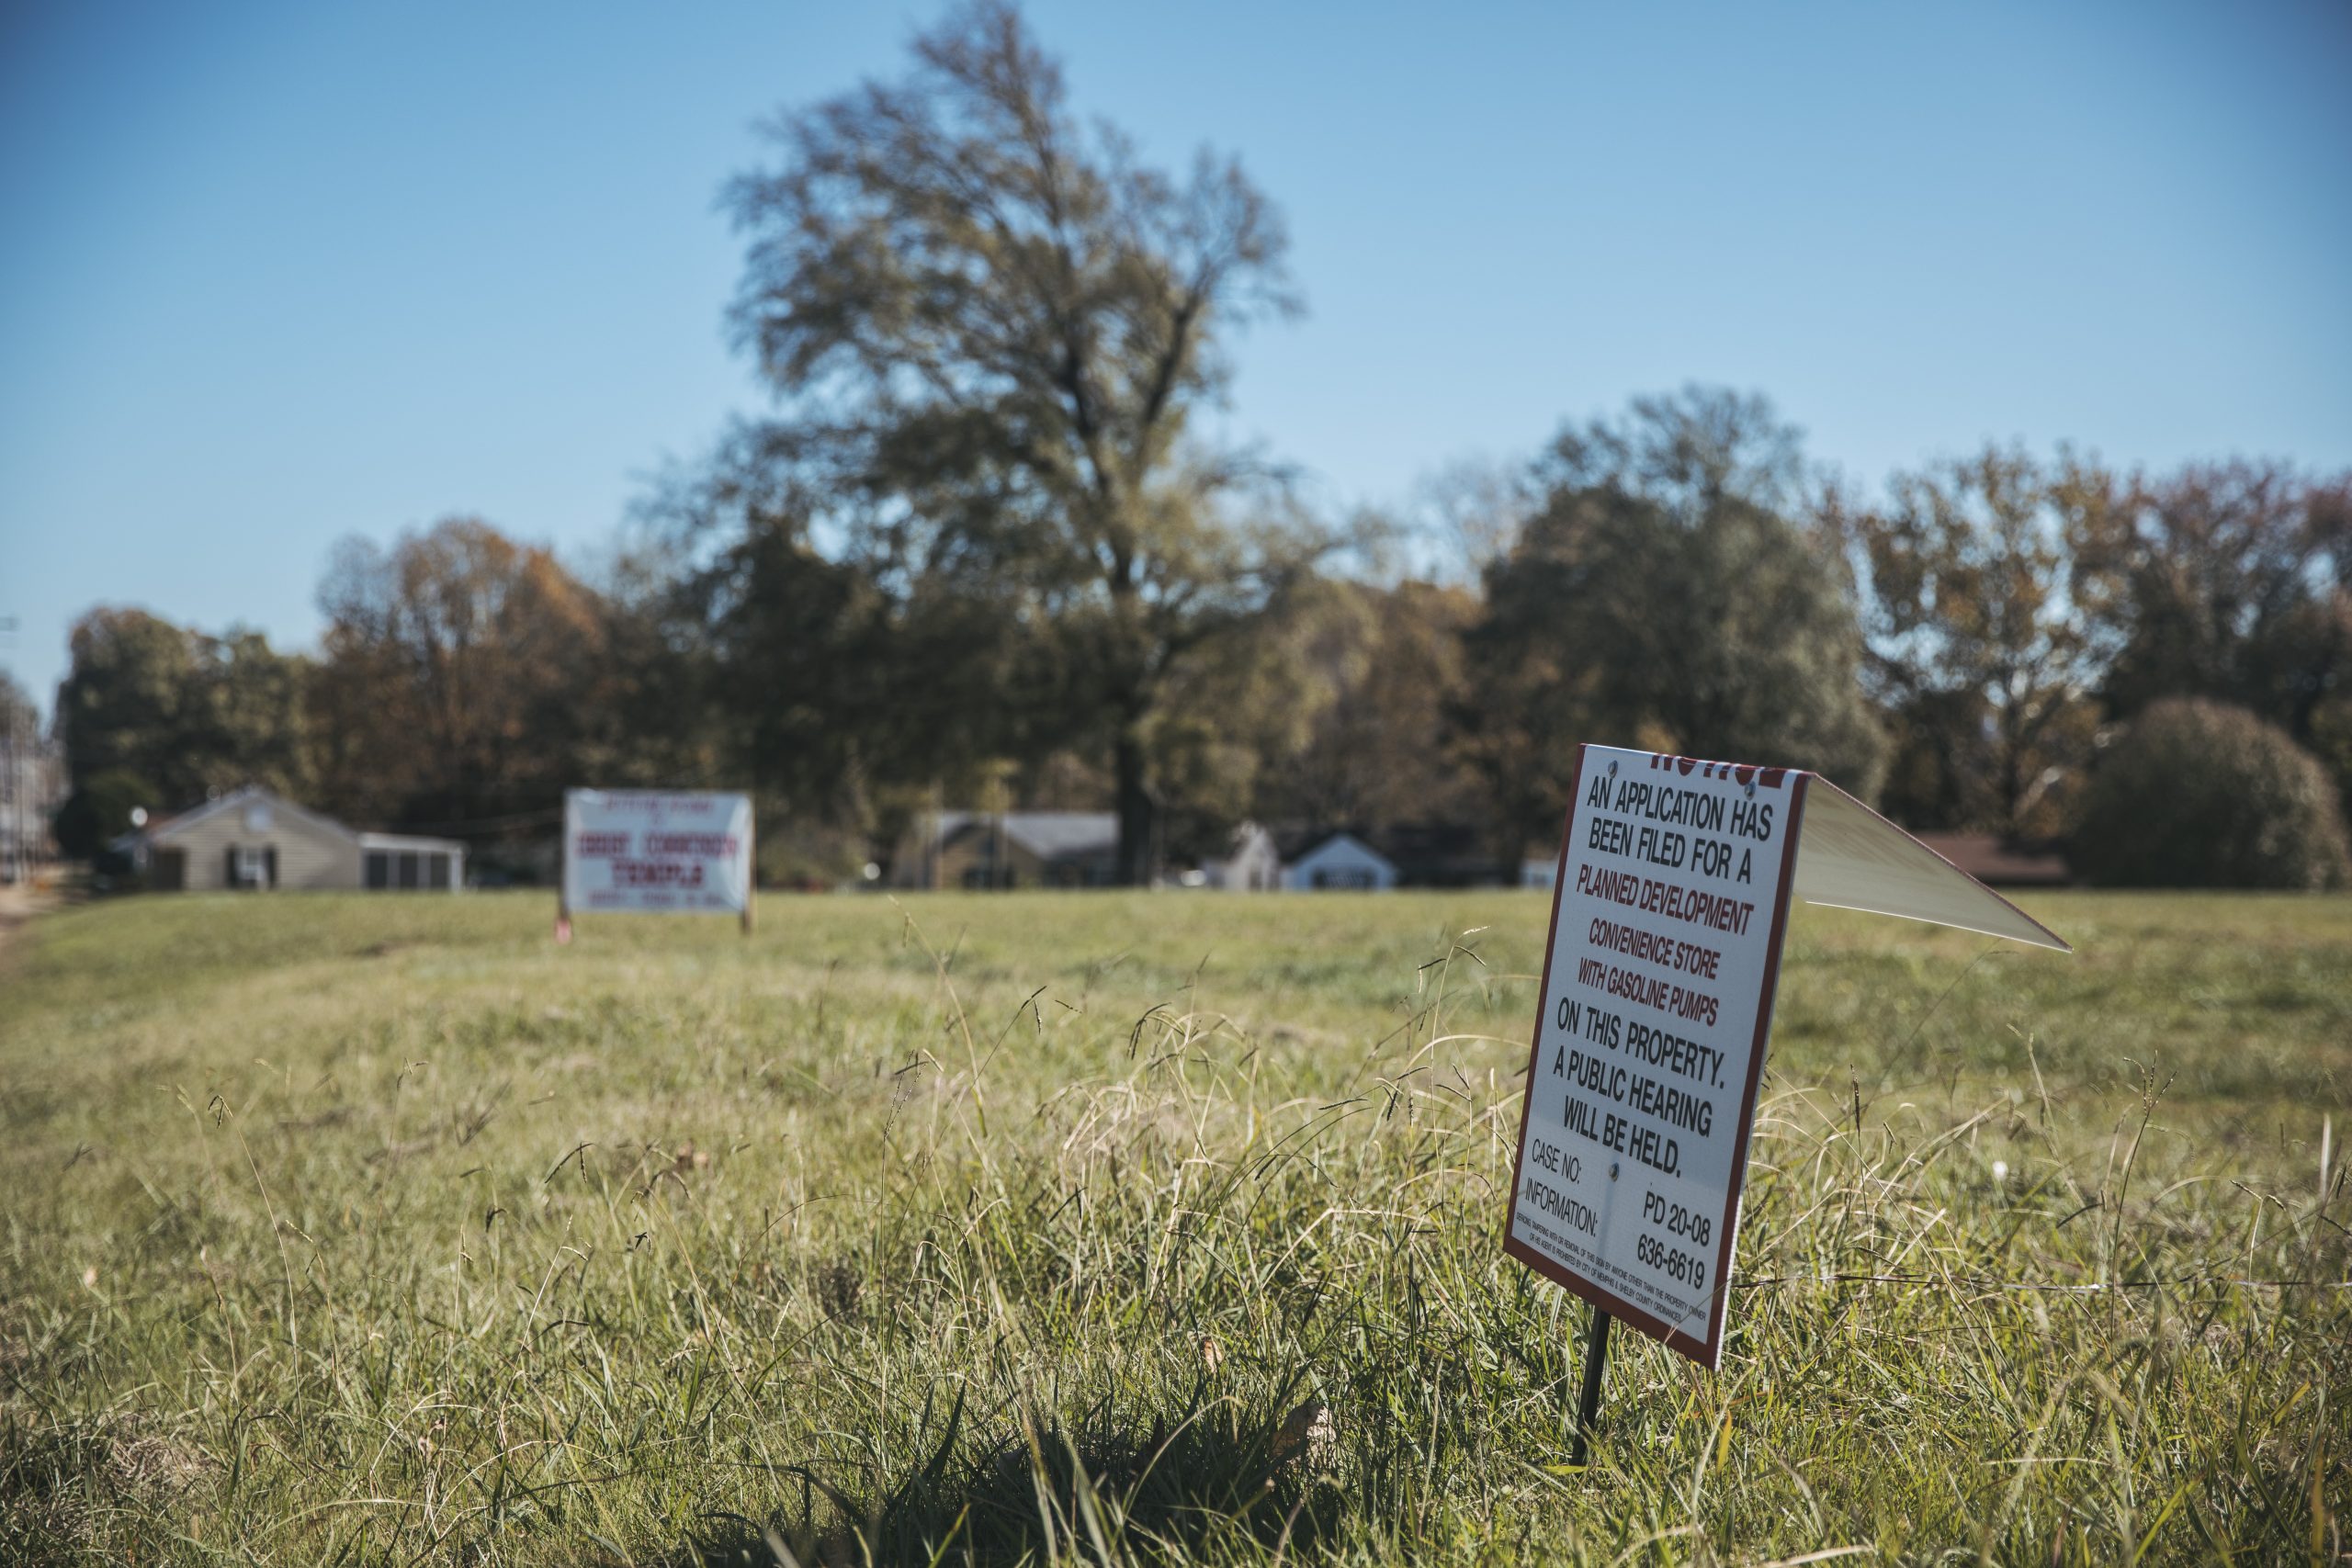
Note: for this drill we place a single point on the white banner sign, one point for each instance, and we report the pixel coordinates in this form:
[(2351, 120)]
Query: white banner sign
[(633, 849), (1672, 895)]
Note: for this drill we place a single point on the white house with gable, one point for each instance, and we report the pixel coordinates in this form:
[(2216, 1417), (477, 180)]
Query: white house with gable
[(1251, 863), (252, 839), (1339, 861)]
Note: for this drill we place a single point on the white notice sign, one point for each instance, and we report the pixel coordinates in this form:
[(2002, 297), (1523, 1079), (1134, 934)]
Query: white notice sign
[(1672, 895), (629, 848)]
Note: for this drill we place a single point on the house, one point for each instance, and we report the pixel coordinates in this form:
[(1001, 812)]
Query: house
[(2002, 862), (1079, 849), (1009, 850), (1337, 860), (1252, 864), (254, 838), (1401, 854)]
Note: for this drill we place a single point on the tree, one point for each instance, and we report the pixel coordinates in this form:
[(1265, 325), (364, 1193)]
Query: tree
[(1974, 617), (2224, 580), (1372, 686), (1468, 512), (872, 684), (1661, 597), (187, 714), (988, 328), (99, 811), (656, 724), (131, 694), (1939, 755), (463, 681), (253, 728), (2202, 794)]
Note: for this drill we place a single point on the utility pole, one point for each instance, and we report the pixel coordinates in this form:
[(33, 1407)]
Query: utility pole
[(15, 777)]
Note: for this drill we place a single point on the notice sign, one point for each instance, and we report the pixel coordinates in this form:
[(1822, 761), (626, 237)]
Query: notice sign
[(656, 850), (1672, 894)]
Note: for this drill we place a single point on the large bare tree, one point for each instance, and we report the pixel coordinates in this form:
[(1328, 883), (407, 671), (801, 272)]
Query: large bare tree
[(988, 328), (1976, 615)]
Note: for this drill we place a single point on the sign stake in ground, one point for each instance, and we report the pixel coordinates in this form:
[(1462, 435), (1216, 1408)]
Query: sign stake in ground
[(1667, 911), (674, 852), (1596, 1363)]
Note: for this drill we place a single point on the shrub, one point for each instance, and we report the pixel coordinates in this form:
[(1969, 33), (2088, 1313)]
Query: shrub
[(2203, 795)]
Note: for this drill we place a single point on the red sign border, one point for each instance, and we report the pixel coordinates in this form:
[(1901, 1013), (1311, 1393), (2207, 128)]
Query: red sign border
[(1708, 1353)]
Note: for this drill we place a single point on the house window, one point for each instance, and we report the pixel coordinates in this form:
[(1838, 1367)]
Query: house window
[(379, 869), (437, 872), (409, 869), (252, 867)]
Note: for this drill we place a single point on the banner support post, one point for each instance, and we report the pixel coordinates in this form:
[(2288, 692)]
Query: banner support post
[(1596, 1363), (750, 877), (563, 878)]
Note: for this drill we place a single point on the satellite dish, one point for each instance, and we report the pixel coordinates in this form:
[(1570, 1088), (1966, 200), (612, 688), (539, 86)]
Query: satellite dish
[(138, 816)]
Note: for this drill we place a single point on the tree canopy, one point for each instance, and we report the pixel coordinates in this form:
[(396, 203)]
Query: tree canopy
[(987, 327), (1659, 597), (465, 677), (981, 544), (186, 713)]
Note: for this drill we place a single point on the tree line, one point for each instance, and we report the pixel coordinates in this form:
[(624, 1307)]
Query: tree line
[(982, 543)]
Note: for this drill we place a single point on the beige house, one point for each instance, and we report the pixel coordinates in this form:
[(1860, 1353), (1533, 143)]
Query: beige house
[(252, 839), (1009, 849)]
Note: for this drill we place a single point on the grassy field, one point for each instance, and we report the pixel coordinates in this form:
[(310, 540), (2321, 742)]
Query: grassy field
[(1163, 1227)]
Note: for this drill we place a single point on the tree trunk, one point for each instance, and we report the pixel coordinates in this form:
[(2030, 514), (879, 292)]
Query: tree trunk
[(2017, 780), (1138, 813), (1513, 857)]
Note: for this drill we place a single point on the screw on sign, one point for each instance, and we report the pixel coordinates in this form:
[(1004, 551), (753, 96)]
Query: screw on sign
[(1667, 911)]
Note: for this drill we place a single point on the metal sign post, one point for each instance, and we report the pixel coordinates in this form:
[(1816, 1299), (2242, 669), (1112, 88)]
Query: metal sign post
[(1596, 1363)]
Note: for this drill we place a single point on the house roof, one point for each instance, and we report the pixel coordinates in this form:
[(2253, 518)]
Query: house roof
[(169, 827), (407, 841), (1302, 845), (1048, 835), (2001, 862), (173, 826)]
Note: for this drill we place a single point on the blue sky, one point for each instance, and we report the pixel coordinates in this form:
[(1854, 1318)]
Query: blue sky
[(273, 274)]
